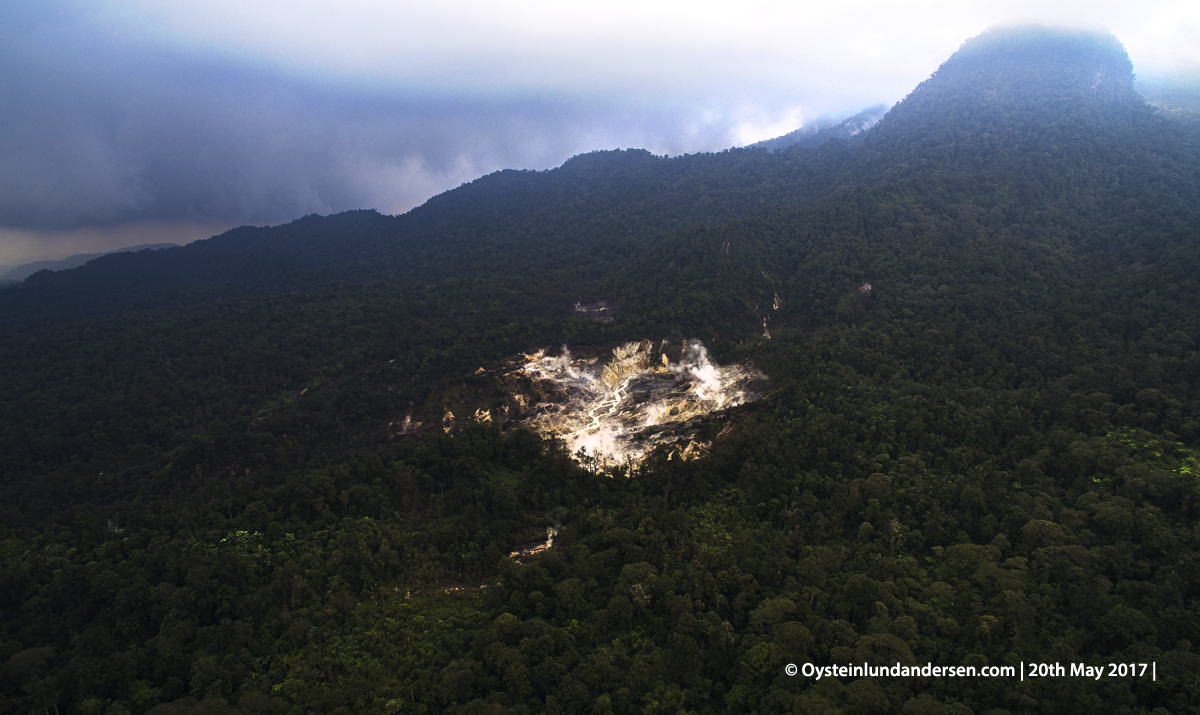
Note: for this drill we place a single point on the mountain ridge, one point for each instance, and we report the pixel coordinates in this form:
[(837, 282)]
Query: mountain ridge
[(21, 271), (744, 182)]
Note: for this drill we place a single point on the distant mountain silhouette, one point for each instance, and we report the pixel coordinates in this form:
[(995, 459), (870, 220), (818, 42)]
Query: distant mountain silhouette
[(22, 271)]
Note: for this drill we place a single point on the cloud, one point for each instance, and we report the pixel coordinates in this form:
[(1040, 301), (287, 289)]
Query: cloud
[(109, 136), (700, 47), (226, 112), (19, 246)]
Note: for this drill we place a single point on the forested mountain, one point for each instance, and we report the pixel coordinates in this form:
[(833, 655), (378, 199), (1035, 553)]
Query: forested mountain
[(24, 270), (595, 209), (978, 446)]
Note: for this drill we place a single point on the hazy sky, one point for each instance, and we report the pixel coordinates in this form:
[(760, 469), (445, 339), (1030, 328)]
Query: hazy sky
[(146, 121)]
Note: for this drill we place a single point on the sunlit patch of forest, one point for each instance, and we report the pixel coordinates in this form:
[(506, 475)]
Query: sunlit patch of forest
[(979, 441)]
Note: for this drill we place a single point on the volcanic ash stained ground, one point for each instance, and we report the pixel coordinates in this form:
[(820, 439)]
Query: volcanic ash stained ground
[(617, 410)]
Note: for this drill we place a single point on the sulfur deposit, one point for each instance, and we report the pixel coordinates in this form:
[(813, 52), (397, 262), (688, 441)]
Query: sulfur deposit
[(615, 410)]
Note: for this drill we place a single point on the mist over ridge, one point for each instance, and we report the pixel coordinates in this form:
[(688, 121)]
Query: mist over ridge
[(1014, 84), (125, 117)]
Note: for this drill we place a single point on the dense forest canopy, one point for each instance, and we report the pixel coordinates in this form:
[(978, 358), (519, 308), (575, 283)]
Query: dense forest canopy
[(979, 443)]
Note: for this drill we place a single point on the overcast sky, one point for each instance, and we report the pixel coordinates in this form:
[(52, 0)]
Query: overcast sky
[(149, 121)]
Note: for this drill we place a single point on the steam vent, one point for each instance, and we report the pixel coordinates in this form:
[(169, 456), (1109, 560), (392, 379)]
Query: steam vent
[(616, 410)]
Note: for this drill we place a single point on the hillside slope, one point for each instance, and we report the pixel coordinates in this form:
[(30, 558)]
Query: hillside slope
[(978, 442)]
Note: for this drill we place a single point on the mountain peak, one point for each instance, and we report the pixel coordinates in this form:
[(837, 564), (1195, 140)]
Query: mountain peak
[(1010, 95), (1006, 59), (1029, 70)]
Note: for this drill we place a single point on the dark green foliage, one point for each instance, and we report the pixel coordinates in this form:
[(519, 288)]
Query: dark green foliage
[(980, 443)]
